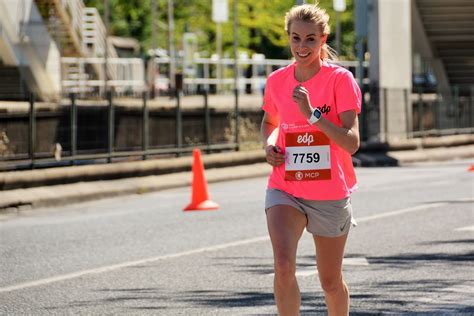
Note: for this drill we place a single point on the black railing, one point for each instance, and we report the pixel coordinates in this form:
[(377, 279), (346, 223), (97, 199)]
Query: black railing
[(76, 148)]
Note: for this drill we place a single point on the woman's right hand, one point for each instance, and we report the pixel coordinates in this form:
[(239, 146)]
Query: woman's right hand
[(274, 155)]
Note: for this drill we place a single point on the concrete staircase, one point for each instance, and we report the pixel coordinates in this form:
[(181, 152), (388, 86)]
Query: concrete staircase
[(449, 26), (59, 22)]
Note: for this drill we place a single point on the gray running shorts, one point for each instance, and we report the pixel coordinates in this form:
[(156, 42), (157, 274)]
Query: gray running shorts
[(331, 218)]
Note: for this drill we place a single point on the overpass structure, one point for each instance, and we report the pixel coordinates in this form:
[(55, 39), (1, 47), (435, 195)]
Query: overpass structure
[(421, 49), (444, 35)]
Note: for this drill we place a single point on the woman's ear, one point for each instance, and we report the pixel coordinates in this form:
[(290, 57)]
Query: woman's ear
[(324, 38)]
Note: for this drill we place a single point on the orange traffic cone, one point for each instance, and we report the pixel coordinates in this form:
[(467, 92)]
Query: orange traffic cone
[(471, 168), (200, 198)]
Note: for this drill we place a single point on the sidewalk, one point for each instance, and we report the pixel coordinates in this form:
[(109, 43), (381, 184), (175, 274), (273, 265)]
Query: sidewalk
[(58, 186)]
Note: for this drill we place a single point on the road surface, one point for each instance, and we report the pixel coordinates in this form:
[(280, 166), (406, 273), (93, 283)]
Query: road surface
[(411, 252)]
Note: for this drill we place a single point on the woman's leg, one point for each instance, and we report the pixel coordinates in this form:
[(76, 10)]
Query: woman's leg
[(329, 255), (285, 225)]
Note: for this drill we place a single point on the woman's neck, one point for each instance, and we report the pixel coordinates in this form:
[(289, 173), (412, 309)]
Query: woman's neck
[(304, 73)]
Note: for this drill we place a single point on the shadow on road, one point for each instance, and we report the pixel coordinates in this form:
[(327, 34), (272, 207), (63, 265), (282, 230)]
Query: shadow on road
[(229, 299), (417, 258)]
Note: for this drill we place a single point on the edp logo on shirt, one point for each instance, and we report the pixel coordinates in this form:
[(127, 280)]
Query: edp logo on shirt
[(307, 139), (324, 109)]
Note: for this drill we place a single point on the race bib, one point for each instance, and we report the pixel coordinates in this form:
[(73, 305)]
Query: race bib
[(307, 156)]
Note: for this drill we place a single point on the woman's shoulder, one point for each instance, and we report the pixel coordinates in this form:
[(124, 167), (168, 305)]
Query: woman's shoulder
[(337, 74), (338, 70)]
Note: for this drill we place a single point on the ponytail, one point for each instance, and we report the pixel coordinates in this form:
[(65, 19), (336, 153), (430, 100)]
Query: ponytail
[(328, 53)]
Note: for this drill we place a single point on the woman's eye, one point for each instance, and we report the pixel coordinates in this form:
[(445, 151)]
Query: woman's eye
[(310, 39), (296, 38)]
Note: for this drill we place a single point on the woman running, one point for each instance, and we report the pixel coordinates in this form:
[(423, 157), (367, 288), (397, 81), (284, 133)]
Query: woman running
[(310, 130)]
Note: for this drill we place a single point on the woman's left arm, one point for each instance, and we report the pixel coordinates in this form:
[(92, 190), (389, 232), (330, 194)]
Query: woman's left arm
[(346, 136)]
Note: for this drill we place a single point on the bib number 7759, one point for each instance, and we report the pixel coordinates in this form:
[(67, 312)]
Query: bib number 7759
[(307, 156)]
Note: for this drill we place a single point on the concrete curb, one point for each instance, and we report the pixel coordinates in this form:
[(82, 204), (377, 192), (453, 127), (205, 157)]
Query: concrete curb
[(40, 177), (418, 143), (21, 199)]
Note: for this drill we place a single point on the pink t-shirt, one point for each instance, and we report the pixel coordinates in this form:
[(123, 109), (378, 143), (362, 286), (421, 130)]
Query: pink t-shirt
[(333, 90)]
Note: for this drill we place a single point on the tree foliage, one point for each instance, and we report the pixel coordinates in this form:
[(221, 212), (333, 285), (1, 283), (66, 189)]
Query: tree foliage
[(261, 24)]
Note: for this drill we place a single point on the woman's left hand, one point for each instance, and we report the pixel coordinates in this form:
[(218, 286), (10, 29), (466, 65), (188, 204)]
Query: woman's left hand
[(301, 97)]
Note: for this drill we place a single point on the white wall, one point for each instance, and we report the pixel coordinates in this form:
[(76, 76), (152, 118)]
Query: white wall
[(25, 42), (395, 44), (390, 47)]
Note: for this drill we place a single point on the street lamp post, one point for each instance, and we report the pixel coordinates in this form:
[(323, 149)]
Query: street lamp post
[(171, 46), (362, 31), (154, 45), (219, 55), (339, 6), (338, 33), (220, 14), (106, 44), (236, 74)]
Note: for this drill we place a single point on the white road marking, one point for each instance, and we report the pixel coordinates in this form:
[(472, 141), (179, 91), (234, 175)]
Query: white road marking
[(302, 273), (399, 212), (306, 272), (461, 288), (129, 264), (355, 261), (465, 229), (187, 253), (361, 261)]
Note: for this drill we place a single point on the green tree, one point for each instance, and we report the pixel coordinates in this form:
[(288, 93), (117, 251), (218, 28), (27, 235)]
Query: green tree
[(261, 25)]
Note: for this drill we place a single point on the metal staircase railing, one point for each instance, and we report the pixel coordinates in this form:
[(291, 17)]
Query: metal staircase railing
[(92, 32), (59, 25)]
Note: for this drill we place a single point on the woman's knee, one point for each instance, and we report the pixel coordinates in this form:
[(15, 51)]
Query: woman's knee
[(331, 284), (285, 269)]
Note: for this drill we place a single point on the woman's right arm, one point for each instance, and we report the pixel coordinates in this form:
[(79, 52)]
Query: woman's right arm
[(269, 134)]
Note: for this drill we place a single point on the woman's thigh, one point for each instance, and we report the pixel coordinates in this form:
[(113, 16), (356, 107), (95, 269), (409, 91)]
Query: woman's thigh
[(285, 226), (329, 256)]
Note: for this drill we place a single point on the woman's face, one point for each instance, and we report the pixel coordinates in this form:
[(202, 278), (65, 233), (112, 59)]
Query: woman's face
[(306, 42)]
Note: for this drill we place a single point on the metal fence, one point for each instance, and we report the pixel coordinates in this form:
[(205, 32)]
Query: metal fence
[(443, 113), (427, 113), (217, 74), (132, 76), (86, 76), (96, 131)]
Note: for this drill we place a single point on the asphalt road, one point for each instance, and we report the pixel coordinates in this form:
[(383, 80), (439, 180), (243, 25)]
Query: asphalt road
[(411, 252)]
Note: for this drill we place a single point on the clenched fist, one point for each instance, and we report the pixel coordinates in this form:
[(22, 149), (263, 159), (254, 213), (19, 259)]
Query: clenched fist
[(301, 97)]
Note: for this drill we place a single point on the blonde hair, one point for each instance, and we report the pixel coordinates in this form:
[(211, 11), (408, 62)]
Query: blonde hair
[(313, 14)]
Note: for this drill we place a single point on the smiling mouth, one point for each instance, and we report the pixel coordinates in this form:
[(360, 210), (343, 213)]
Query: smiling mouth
[(302, 55)]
